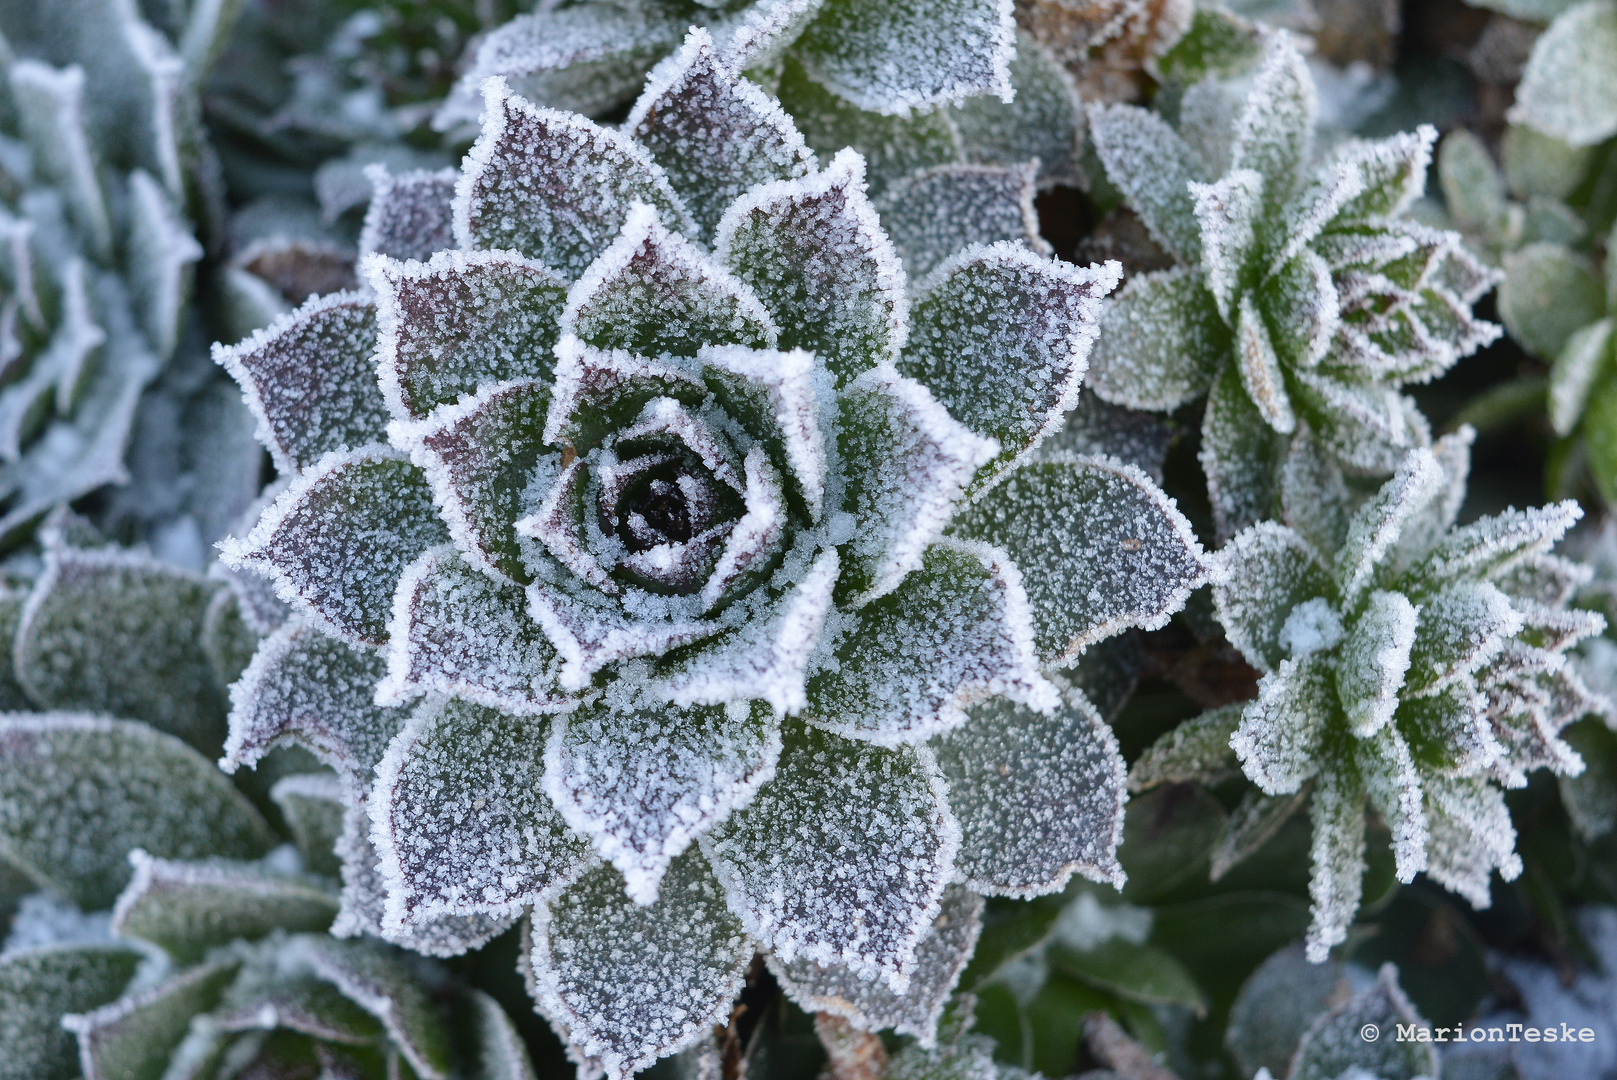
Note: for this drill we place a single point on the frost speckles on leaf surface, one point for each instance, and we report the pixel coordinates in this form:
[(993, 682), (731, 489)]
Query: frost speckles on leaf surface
[(409, 214), (934, 213), (590, 941), (866, 833)]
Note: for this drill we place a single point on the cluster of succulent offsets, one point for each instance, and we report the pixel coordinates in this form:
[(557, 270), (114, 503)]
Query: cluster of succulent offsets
[(669, 572)]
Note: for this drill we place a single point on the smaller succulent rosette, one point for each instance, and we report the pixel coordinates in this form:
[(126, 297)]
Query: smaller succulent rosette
[(1303, 296), (1409, 664), (687, 577)]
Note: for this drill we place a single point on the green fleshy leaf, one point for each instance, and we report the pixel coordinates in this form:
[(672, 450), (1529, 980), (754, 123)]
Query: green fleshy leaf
[(311, 804), (1253, 823), (77, 794), (1569, 87), (1583, 362), (381, 982), (1161, 342), (120, 633), (1217, 43), (37, 986), (1100, 546), (956, 629), (630, 984), (1142, 973), (463, 823), (1240, 454), (1259, 365), (1600, 438), (1460, 629), (1041, 123), (839, 818), (1548, 293), (337, 540), (1154, 168), (1473, 186), (1228, 212), (1197, 750), (501, 1053), (1270, 571), (1542, 165), (462, 319), (188, 908), (1274, 133), (135, 1037), (1281, 736), (1336, 876), (1334, 1044), (814, 251), (553, 186), (1277, 1005), (1009, 768)]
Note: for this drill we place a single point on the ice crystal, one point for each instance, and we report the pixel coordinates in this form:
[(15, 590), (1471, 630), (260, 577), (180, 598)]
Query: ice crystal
[(689, 524), (1303, 296), (98, 254), (1409, 663)]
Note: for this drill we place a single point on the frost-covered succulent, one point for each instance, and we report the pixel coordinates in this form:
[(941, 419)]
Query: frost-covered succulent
[(97, 140), (1408, 663), (592, 56), (1568, 89), (1302, 298), (688, 577), (1295, 1020)]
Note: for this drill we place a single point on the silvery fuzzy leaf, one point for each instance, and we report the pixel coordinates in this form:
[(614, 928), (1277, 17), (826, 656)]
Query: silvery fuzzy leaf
[(553, 186), (627, 983), (312, 806), (1367, 428), (381, 983), (136, 1035), (715, 133), (1336, 855), (842, 858), (773, 396), (1577, 368), (597, 392), (1301, 299), (1568, 89), (459, 320), (814, 251), (1228, 212), (1374, 658), (187, 908), (78, 792), (1240, 454), (365, 895), (1044, 122), (1393, 786), (308, 688), (1471, 835), (889, 59), (1039, 796), (906, 462), (278, 991), (1154, 168), (1333, 1047), (933, 213), (119, 633), (956, 630), (643, 779), (460, 820), (409, 213), (1259, 365), (893, 146), (766, 659), (159, 256), (868, 1004), (1274, 134), (1546, 580), (458, 631), (50, 104), (310, 380), (1100, 547), (1460, 629), (1000, 335), (1161, 342), (588, 59), (1549, 292), (589, 635), (1433, 522), (336, 541), (1198, 749), (39, 985), (479, 455), (1450, 730), (1253, 823), (1492, 545), (1315, 498), (1377, 525), (1281, 735), (1268, 570), (654, 293)]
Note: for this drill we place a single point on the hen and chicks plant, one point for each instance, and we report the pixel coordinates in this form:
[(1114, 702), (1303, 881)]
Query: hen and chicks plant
[(688, 578)]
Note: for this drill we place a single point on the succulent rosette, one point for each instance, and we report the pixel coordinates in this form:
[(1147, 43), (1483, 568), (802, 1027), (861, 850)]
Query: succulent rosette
[(1411, 665), (1303, 297), (662, 563)]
